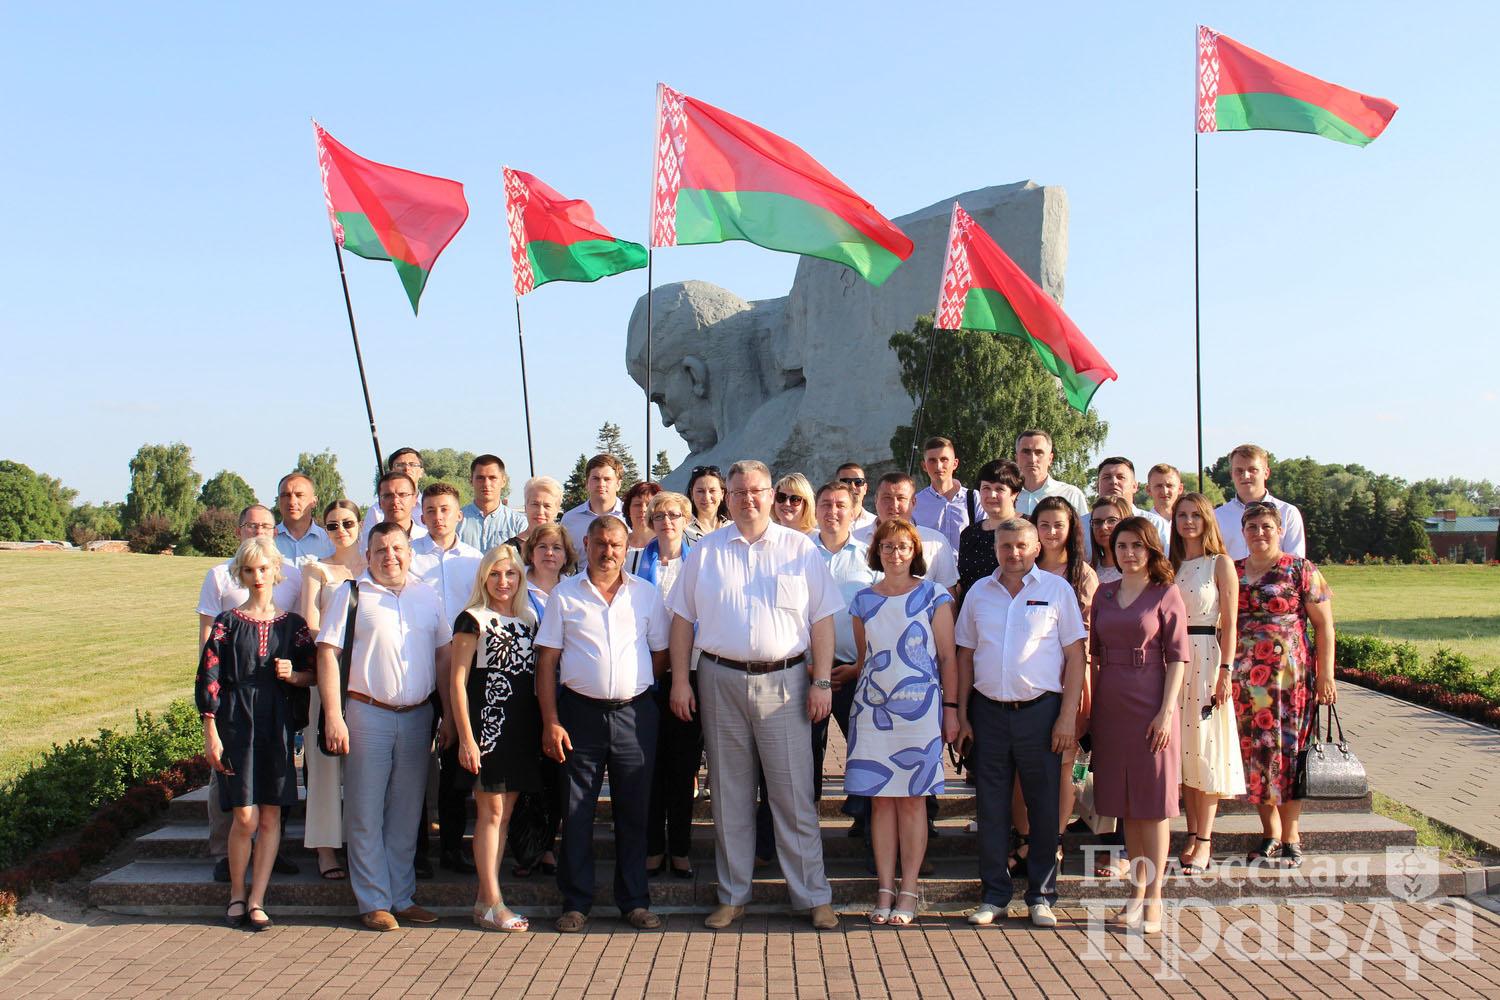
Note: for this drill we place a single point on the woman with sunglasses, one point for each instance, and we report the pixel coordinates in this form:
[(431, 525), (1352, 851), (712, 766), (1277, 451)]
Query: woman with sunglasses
[(323, 827), (1211, 764), (706, 490), (794, 504)]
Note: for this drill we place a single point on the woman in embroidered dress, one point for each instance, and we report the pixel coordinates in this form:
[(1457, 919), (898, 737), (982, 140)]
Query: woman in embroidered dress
[(1278, 674), (898, 723), (253, 676), (493, 692)]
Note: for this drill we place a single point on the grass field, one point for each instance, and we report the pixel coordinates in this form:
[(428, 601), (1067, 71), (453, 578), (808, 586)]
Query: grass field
[(1430, 606), (85, 640)]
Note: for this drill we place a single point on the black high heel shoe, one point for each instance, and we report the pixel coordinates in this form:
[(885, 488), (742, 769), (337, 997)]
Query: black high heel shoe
[(682, 873)]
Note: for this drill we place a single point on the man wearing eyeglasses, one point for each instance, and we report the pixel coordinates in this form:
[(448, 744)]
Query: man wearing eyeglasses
[(852, 475), (408, 461), (764, 603)]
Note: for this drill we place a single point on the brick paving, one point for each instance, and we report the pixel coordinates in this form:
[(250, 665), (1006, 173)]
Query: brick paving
[(1441, 766), (1458, 955)]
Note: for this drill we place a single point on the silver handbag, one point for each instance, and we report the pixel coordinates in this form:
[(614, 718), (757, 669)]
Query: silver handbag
[(1328, 769)]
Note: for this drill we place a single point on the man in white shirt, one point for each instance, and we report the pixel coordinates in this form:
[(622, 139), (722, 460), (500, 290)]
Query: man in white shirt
[(487, 522), (602, 481), (221, 592), (893, 500), (299, 537), (763, 602), (1020, 679), (399, 656), (1117, 479), (946, 506), (852, 475), (1250, 468), (600, 647), (1034, 454), (448, 566)]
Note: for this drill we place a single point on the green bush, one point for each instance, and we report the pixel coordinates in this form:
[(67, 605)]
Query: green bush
[(71, 781), (216, 532)]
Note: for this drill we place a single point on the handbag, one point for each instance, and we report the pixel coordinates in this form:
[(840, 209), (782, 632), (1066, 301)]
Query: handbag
[(1328, 769), (346, 656)]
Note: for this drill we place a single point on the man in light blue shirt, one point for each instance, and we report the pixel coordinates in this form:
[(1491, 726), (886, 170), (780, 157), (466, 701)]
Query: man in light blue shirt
[(299, 537), (1034, 455), (946, 506), (488, 522), (1117, 479)]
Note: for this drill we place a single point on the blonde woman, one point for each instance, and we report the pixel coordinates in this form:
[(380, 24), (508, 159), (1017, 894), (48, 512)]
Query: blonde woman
[(1212, 767), (543, 505), (323, 826), (794, 504), (493, 693)]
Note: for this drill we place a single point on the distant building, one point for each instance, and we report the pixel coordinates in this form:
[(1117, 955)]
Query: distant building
[(1464, 539)]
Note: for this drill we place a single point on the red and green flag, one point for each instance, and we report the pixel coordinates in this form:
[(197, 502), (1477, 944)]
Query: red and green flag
[(721, 178), (983, 289), (553, 238), (1240, 89), (382, 212)]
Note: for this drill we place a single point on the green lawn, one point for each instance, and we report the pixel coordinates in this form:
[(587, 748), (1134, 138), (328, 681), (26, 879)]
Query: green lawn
[(1431, 606), (88, 639)]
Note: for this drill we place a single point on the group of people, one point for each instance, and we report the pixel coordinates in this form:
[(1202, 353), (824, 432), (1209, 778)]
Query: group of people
[(525, 655)]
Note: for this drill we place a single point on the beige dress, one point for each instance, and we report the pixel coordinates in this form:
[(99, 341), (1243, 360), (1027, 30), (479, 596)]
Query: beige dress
[(1211, 760)]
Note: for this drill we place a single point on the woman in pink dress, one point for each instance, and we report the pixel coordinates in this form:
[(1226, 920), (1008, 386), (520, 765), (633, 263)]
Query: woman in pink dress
[(1138, 649)]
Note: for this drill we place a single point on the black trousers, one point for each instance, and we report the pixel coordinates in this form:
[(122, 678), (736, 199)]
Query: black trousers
[(679, 750), (1010, 743), (454, 786), (621, 741)]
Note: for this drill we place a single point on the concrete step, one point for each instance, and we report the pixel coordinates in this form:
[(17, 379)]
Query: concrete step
[(186, 887), (1233, 835)]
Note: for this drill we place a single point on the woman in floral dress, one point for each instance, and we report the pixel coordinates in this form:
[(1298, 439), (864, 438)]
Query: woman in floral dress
[(1278, 675)]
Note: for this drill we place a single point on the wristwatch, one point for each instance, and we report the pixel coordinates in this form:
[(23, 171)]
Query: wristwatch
[(822, 683)]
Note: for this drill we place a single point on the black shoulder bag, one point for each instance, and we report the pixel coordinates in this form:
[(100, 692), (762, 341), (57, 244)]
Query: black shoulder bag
[(346, 655), (1329, 769)]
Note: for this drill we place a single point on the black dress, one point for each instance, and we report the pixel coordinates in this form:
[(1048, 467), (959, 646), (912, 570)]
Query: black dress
[(503, 711), (976, 555), (255, 713)]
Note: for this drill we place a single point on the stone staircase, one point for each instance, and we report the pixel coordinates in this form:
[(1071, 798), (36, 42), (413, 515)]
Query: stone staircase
[(1347, 849)]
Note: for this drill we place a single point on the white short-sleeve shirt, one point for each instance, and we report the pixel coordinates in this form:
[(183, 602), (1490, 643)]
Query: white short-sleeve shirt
[(1018, 641), (755, 600), (396, 638), (450, 572), (606, 645), (1293, 534), (221, 592)]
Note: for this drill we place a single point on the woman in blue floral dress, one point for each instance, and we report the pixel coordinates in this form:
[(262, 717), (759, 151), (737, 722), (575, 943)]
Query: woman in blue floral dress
[(903, 638)]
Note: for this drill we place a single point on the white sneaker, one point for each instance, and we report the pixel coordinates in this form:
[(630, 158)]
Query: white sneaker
[(985, 915), (1042, 916)]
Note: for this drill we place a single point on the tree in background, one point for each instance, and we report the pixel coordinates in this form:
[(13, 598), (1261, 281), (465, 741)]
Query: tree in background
[(1412, 543), (986, 389), (88, 522), (152, 534), (323, 470), (661, 467), (216, 532), (444, 465), (226, 490), (29, 505), (162, 483), (611, 442), (575, 490), (1208, 488)]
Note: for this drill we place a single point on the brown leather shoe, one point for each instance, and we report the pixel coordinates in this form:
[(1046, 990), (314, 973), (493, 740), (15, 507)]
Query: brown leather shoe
[(723, 916), (572, 922), (643, 919), (379, 920), (823, 918), (415, 914)]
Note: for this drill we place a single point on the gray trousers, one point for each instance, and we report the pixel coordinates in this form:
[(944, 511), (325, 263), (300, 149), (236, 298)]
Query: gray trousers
[(752, 720), (385, 778)]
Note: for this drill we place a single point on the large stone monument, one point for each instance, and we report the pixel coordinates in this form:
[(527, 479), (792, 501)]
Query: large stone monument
[(807, 381)]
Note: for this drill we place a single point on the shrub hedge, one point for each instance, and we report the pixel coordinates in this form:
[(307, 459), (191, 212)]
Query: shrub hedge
[(1447, 681)]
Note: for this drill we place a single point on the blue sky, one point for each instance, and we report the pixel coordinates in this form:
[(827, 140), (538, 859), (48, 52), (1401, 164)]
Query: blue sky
[(171, 274)]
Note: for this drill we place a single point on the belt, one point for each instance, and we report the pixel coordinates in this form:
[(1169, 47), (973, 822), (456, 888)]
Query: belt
[(1014, 706), (607, 704), (1203, 630), (356, 696), (756, 666), (1132, 657)]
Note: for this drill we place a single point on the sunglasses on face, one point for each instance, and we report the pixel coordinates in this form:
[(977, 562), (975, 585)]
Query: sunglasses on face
[(853, 480), (344, 525), (704, 470), (791, 499)]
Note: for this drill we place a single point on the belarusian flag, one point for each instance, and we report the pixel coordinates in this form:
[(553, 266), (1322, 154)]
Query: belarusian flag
[(721, 178), (983, 289), (553, 238), (386, 213), (1240, 89)]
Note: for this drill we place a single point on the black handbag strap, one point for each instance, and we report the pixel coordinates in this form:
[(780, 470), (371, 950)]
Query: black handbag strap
[(346, 653)]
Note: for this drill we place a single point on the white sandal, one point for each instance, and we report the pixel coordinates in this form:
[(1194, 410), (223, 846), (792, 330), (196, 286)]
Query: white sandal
[(901, 917), (490, 920), (881, 914)]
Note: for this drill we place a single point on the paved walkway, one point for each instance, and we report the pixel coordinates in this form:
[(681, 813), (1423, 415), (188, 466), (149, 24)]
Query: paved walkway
[(1371, 951), (1439, 765)]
